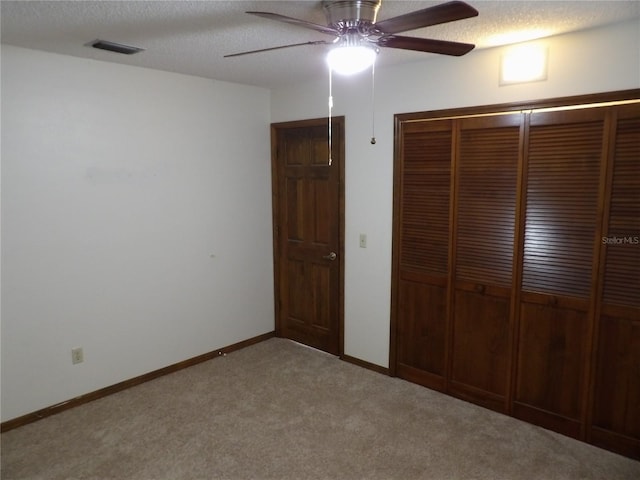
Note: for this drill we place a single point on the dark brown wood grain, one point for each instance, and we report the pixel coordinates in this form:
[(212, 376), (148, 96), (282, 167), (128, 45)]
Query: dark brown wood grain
[(615, 394), (309, 226), (517, 261), (423, 252), (486, 165), (552, 346), (564, 155), (421, 333), (424, 209)]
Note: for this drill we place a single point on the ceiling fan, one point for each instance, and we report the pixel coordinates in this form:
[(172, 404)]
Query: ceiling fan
[(353, 23)]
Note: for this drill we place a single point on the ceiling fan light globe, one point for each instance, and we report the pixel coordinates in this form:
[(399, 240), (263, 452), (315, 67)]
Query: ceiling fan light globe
[(349, 60)]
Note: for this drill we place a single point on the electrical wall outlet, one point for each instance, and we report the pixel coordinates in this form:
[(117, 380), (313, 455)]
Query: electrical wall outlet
[(77, 355)]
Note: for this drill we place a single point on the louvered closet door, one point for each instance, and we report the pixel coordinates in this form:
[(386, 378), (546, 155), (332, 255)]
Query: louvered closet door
[(616, 416), (563, 167), (423, 236), (486, 171)]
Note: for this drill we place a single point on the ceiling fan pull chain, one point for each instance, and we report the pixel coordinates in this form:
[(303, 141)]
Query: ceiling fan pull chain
[(330, 108), (373, 103)]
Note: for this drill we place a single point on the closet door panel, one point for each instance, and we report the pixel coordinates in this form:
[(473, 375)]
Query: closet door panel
[(480, 352), (563, 168), (564, 154), (486, 189), (617, 403), (425, 186), (421, 335), (424, 203), (487, 168), (550, 366), (616, 407)]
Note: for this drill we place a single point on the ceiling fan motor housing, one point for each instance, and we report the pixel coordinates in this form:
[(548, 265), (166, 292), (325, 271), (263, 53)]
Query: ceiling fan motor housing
[(350, 14)]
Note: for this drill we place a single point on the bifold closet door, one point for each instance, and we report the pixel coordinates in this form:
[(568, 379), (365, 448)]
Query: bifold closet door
[(516, 261), (563, 166), (423, 197), (488, 150), (616, 410)]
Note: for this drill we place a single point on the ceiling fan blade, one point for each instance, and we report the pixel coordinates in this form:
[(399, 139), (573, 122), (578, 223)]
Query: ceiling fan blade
[(426, 45), (447, 12), (317, 42), (295, 21)]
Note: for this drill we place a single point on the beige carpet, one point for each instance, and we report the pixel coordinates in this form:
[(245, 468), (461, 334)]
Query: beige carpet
[(278, 410)]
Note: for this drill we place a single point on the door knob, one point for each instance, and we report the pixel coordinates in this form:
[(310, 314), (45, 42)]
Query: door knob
[(332, 256)]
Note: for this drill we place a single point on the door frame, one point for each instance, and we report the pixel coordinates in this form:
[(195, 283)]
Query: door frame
[(338, 150)]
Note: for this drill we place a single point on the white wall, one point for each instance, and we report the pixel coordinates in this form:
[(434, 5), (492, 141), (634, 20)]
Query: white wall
[(598, 60), (117, 185)]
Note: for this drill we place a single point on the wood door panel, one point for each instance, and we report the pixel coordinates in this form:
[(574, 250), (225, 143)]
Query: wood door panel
[(424, 204), (488, 152), (425, 221), (617, 399), (294, 191), (615, 420), (481, 341), (296, 296), (320, 282), (562, 189), (563, 168), (308, 216), (551, 359), (486, 200), (320, 192), (421, 332), (320, 150), (294, 151), (622, 237), (424, 201), (622, 281)]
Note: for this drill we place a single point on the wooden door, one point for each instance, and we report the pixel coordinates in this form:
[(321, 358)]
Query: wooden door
[(422, 230), (616, 403), (487, 155), (561, 225), (308, 232)]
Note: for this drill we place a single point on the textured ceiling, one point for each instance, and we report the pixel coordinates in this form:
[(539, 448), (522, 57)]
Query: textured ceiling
[(191, 37)]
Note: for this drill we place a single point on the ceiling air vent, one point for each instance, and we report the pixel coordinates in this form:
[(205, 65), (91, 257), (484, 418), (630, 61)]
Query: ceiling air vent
[(114, 47)]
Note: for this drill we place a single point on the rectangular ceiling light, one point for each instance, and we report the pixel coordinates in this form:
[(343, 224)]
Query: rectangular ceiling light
[(114, 47), (523, 64)]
